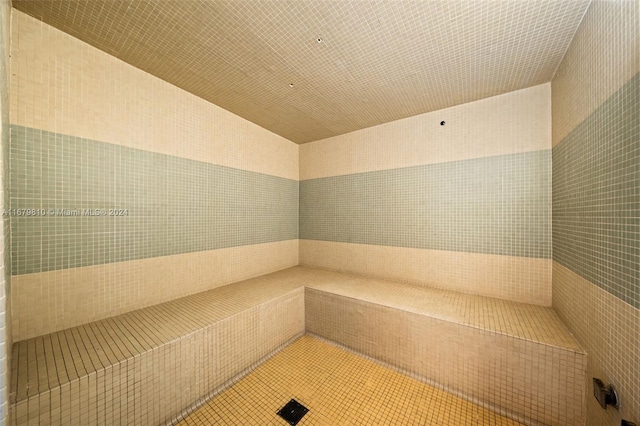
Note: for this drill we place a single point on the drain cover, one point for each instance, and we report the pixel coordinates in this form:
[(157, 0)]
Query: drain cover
[(293, 412)]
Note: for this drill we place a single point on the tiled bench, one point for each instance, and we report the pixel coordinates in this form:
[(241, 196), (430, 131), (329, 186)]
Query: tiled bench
[(147, 366), (518, 359)]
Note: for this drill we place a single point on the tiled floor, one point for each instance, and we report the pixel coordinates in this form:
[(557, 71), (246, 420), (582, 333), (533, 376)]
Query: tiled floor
[(339, 388)]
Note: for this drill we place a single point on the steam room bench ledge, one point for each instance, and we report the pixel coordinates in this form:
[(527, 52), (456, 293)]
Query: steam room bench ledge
[(148, 366), (515, 358)]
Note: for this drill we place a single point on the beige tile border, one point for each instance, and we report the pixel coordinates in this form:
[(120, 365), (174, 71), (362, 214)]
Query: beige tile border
[(603, 56), (63, 85), (609, 330), (513, 278), (49, 301), (515, 122)]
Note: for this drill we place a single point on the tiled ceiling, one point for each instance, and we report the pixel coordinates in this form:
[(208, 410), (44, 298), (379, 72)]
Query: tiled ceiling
[(352, 64)]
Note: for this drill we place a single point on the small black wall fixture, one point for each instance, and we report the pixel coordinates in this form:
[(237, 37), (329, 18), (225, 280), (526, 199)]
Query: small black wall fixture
[(606, 395)]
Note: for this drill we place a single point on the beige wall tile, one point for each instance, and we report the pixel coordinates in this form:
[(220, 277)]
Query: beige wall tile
[(514, 278), (603, 55), (50, 301), (609, 330), (515, 122), (63, 85), (5, 250)]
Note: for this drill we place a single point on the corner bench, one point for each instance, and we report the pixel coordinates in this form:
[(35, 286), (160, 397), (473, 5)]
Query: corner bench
[(148, 367), (145, 367)]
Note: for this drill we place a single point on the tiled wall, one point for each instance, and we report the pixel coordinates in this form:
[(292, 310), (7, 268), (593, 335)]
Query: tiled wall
[(161, 205), (467, 204), (209, 197), (596, 200), (5, 253), (493, 205)]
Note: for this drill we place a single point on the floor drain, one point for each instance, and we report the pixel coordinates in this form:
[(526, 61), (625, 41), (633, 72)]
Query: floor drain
[(293, 412)]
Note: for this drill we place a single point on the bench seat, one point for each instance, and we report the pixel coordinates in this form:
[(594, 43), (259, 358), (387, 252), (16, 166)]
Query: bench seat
[(514, 358), (145, 367), (149, 366)]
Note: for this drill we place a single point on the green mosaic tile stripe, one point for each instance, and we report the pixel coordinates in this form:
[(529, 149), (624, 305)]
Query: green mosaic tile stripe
[(596, 196), (174, 205), (495, 205)]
